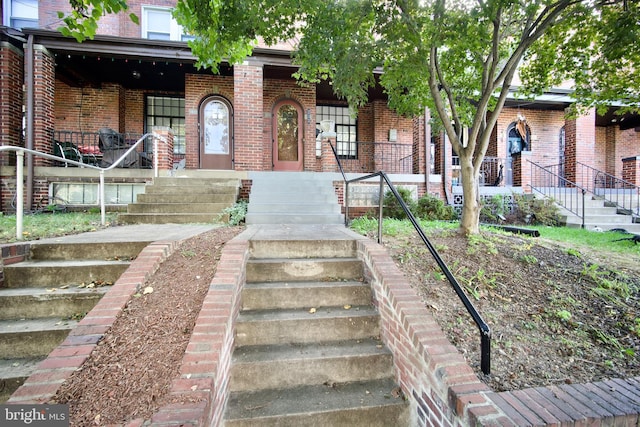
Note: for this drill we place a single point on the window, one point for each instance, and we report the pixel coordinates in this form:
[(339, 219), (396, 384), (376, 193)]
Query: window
[(158, 24), (20, 13), (346, 129), (164, 111)]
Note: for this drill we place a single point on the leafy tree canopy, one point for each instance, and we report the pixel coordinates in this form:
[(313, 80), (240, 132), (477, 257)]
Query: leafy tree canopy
[(456, 57)]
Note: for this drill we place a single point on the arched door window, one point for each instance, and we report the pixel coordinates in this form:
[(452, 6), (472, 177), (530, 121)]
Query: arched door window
[(518, 137), (287, 136), (216, 134)]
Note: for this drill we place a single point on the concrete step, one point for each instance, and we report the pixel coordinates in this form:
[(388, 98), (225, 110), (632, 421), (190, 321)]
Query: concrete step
[(13, 373), (263, 327), (291, 206), (363, 403), (598, 219), (122, 251), (226, 198), (176, 208), (166, 181), (190, 189), (292, 198), (289, 218), (34, 303), (308, 248), (32, 337), (291, 365), (285, 295), (303, 269), (171, 218), (53, 274)]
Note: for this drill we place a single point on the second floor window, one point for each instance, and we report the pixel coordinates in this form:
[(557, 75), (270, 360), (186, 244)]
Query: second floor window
[(158, 24), (20, 13)]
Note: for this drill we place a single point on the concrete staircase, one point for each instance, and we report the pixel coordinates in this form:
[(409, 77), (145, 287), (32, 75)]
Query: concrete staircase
[(43, 297), (307, 350), (293, 198), (599, 213), (182, 200)]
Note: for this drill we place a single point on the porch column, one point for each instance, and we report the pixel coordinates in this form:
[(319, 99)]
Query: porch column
[(521, 169), (328, 160), (12, 71), (165, 149), (580, 144), (631, 169), (44, 105), (249, 119)]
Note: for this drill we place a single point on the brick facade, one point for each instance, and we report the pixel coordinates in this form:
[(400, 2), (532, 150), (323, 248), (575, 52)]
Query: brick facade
[(11, 101)]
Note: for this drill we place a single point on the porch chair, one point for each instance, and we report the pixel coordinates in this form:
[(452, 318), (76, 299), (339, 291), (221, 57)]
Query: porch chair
[(113, 145), (69, 151)]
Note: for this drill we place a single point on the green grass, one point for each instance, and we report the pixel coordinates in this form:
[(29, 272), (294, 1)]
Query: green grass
[(574, 236), (44, 225)]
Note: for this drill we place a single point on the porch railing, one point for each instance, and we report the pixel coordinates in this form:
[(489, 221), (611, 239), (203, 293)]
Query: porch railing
[(623, 194), (85, 148), (546, 181), (363, 157), (485, 331), (20, 152), (491, 171)]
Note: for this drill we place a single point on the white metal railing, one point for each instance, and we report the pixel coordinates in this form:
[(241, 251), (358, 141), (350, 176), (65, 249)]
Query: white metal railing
[(20, 174)]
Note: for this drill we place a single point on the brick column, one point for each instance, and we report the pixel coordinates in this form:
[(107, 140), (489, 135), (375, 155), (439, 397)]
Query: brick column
[(43, 111), (522, 170), (328, 161), (580, 143), (165, 148), (631, 169), (12, 72), (249, 117)]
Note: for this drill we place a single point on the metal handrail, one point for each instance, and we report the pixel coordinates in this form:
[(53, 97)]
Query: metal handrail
[(20, 174), (623, 194), (485, 331), (565, 193)]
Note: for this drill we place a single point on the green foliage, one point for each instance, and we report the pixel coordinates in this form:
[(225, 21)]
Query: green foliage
[(236, 213), (43, 225), (532, 210), (82, 22), (392, 208), (432, 208)]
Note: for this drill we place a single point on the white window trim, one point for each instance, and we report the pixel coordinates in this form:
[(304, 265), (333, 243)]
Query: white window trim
[(175, 30), (7, 15)]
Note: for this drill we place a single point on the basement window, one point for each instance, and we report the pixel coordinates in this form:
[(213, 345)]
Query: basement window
[(86, 194)]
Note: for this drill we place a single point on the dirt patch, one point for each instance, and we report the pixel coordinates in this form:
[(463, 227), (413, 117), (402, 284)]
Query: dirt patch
[(556, 314), (129, 373)]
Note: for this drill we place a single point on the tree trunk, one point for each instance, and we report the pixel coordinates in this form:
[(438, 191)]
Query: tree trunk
[(470, 220)]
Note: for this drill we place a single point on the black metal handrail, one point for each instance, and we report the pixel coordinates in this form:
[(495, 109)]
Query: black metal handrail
[(623, 194), (485, 331), (566, 193)]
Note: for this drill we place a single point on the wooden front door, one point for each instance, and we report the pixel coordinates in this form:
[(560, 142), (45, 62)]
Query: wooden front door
[(216, 134), (287, 136)]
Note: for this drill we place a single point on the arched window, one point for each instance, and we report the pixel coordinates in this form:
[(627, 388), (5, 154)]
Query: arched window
[(518, 137)]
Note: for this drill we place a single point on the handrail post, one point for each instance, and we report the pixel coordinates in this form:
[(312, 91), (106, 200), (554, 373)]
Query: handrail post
[(346, 204), (485, 353), (584, 192), (155, 155), (103, 214), (19, 193), (380, 205)]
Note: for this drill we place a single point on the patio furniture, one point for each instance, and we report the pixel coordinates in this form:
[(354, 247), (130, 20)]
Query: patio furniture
[(113, 146)]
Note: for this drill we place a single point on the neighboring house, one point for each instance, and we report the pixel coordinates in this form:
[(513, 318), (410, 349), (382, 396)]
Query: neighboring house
[(56, 94)]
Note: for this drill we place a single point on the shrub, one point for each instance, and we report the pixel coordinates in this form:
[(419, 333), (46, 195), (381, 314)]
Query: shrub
[(392, 208), (532, 210), (431, 208)]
